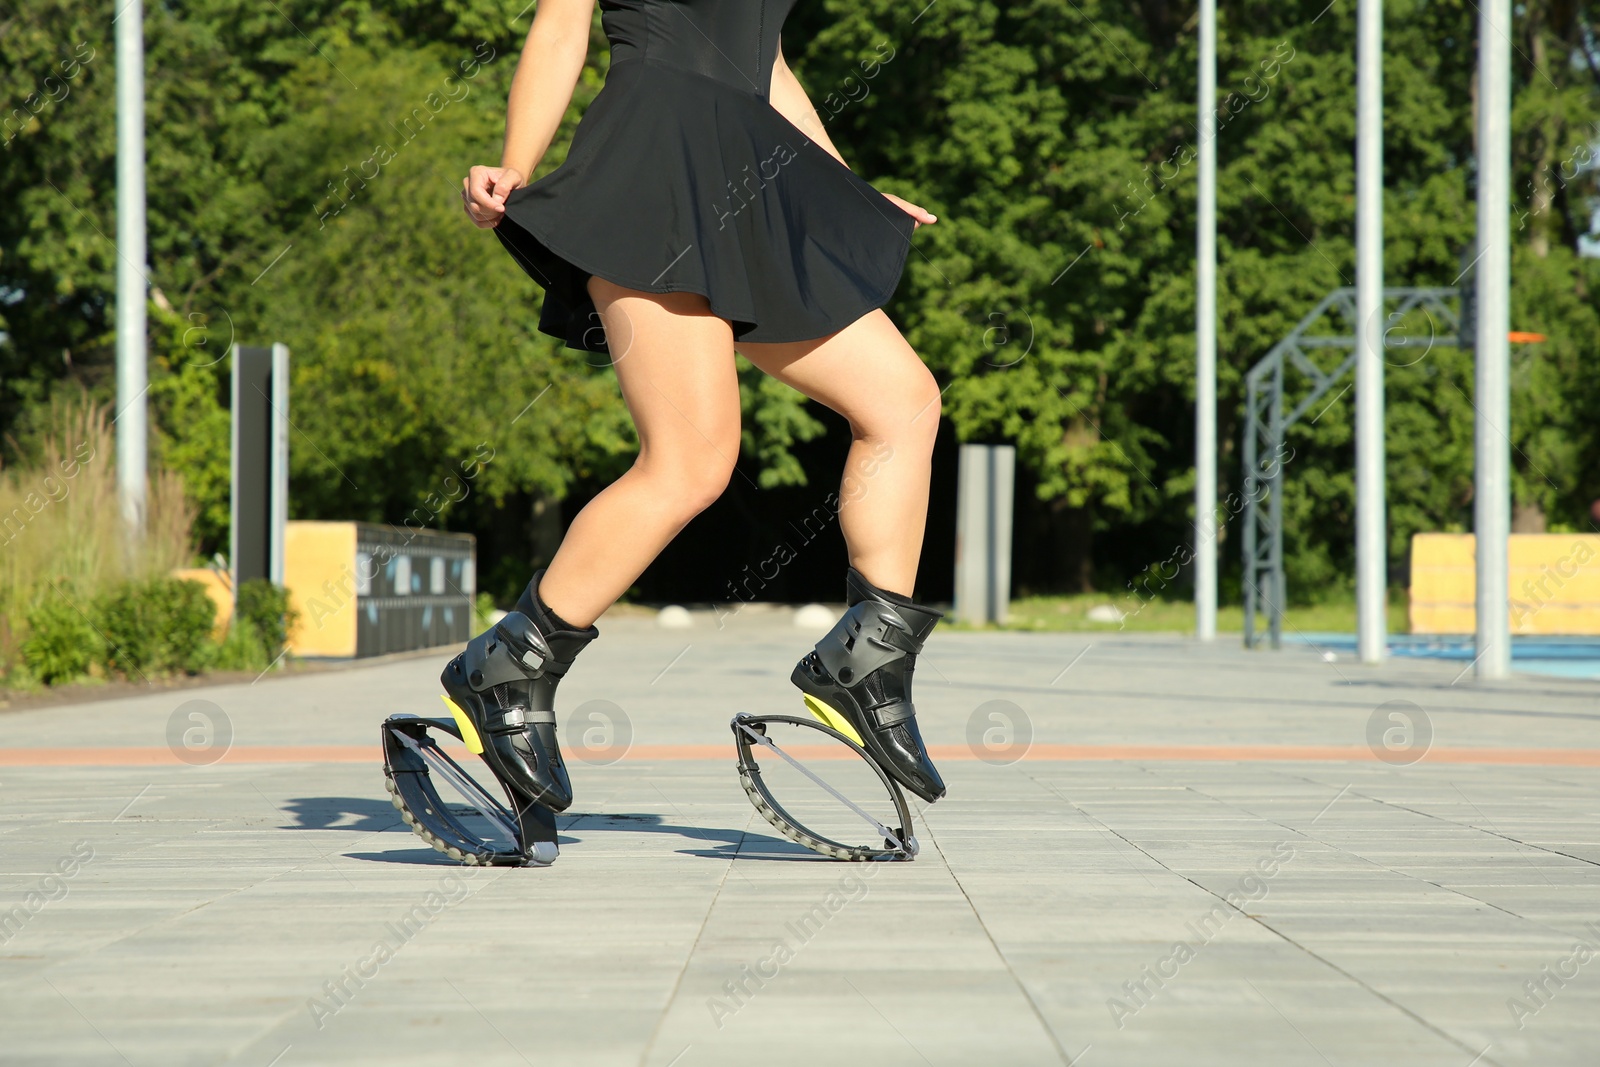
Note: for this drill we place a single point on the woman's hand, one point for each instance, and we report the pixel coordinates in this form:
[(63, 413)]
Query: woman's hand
[(484, 191), (923, 217)]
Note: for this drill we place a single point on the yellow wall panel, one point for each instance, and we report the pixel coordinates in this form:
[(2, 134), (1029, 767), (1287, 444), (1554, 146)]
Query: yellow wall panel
[(1554, 585), (319, 561)]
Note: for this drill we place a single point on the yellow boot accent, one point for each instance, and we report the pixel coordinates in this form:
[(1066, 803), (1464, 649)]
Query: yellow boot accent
[(469, 733), (830, 717)]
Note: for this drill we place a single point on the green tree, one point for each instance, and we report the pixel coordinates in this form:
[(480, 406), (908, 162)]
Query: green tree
[(1056, 139)]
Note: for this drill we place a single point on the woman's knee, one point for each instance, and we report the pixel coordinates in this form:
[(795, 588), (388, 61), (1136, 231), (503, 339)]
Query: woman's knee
[(926, 399), (906, 417), (693, 480)]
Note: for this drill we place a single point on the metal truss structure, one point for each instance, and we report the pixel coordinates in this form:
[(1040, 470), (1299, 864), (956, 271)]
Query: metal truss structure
[(1267, 424)]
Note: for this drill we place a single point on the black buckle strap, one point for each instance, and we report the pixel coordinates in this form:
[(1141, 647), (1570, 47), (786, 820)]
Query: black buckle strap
[(889, 629), (524, 646), (516, 718), (892, 714), (511, 651)]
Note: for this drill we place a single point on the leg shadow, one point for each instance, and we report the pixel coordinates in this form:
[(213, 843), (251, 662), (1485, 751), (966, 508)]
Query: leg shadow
[(360, 814)]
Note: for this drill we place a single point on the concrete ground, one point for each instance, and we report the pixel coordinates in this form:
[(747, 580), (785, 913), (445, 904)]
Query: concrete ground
[(1206, 856)]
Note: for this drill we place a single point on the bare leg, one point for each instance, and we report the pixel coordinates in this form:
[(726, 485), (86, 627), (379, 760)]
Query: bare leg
[(870, 375), (674, 362)]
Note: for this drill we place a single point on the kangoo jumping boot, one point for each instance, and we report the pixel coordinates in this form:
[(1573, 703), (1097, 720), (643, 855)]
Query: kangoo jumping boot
[(858, 681), (502, 693)]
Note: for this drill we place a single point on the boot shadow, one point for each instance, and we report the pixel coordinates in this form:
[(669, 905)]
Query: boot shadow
[(364, 815), (721, 843)]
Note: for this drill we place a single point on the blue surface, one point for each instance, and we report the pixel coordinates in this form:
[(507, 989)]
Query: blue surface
[(1566, 657)]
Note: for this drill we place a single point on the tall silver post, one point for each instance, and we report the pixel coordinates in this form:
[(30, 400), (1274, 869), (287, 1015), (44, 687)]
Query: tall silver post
[(132, 370), (1205, 338), (1372, 561), (1002, 490), (972, 590), (278, 507), (1492, 427), (985, 486)]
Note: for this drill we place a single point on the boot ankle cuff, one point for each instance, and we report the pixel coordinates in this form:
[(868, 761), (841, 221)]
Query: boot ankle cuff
[(855, 577), (531, 604)]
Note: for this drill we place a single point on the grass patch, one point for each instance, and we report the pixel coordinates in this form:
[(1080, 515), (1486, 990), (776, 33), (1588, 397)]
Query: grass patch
[(1071, 614), (76, 600), (61, 530)]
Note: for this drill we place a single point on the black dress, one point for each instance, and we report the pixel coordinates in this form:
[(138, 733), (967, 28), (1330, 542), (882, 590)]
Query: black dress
[(682, 177)]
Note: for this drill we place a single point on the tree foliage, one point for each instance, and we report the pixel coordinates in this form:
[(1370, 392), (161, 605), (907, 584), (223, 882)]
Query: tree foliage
[(1056, 140), (304, 161)]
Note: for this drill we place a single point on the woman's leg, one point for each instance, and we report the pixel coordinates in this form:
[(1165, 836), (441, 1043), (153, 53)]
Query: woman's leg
[(862, 688), (674, 362), (870, 375)]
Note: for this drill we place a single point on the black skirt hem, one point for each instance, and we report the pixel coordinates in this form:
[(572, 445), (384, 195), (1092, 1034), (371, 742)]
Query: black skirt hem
[(654, 174), (872, 303)]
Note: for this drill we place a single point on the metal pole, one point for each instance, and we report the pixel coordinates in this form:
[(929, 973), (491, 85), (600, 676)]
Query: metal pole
[(1492, 505), (235, 494), (1277, 586), (1002, 490), (1205, 329), (973, 549), (278, 507), (132, 369), (1252, 504), (1372, 562)]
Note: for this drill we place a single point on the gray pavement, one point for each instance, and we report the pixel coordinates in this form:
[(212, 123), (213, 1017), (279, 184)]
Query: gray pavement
[(1101, 905)]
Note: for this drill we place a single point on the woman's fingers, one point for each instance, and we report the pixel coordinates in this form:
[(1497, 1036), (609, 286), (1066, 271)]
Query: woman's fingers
[(487, 209), (922, 215), (470, 202), (484, 191), (484, 196)]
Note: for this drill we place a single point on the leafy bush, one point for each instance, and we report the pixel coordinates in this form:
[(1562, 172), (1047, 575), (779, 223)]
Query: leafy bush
[(64, 540), (483, 611), (242, 649), (264, 608), (61, 643), (157, 626), (262, 619)]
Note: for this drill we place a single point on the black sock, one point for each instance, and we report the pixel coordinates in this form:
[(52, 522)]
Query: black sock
[(532, 605), (893, 598)]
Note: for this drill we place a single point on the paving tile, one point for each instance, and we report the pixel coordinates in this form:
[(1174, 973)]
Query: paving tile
[(1130, 911)]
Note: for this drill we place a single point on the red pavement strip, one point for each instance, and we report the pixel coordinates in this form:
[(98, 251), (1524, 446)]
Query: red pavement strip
[(145, 757)]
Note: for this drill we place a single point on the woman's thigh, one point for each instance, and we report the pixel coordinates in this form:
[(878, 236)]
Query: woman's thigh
[(867, 372), (675, 366)]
